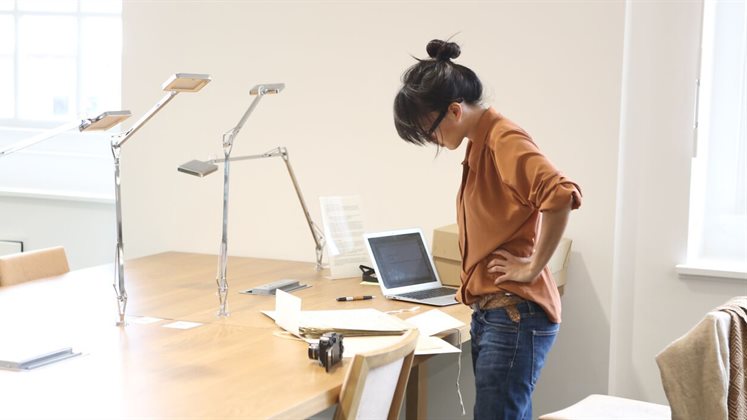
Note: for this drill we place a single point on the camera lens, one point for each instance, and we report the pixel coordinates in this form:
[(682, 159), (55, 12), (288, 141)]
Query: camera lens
[(314, 351)]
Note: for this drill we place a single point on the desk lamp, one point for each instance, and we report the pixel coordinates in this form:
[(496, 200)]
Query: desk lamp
[(179, 82), (202, 168), (103, 121)]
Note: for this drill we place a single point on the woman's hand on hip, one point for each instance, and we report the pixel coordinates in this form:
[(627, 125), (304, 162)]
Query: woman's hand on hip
[(514, 268)]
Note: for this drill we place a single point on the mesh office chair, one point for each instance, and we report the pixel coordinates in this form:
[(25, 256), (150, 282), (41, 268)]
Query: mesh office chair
[(32, 265), (375, 383)]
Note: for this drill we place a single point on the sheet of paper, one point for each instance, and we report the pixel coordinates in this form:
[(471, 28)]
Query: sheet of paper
[(287, 311), (434, 322), (352, 319), (426, 345), (433, 345), (182, 325), (343, 231)]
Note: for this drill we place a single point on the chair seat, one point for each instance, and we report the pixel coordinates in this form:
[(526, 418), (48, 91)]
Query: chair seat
[(607, 407)]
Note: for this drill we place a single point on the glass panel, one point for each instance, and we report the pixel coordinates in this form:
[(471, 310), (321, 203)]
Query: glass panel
[(50, 35), (101, 56), (46, 88), (7, 84), (48, 5), (101, 6), (7, 35), (6, 4)]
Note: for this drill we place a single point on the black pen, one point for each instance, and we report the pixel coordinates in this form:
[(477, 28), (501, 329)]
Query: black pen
[(349, 298)]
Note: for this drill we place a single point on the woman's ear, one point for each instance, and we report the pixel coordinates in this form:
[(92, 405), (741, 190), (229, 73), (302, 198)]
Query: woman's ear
[(455, 108)]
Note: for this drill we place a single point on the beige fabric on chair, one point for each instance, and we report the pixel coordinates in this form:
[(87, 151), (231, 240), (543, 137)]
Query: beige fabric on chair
[(32, 265), (375, 383), (607, 407), (694, 370), (703, 371)]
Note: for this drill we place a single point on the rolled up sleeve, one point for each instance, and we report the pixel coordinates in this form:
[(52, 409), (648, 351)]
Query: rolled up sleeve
[(534, 179)]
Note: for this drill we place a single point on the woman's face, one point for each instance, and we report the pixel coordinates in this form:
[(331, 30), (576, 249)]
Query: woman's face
[(445, 129)]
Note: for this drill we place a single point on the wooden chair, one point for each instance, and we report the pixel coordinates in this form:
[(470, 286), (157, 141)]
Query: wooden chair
[(375, 383), (32, 265)]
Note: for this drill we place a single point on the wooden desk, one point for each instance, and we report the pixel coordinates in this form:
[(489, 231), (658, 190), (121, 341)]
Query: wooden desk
[(230, 367)]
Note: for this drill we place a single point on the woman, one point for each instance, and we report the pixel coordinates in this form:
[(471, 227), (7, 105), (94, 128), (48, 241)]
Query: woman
[(512, 208)]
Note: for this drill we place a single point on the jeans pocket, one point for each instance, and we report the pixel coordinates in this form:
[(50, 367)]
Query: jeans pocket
[(498, 318), (542, 341)]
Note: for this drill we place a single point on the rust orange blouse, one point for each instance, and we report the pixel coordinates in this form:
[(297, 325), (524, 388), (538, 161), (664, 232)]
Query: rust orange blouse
[(506, 183)]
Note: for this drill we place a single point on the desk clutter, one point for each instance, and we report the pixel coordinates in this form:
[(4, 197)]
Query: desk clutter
[(362, 330)]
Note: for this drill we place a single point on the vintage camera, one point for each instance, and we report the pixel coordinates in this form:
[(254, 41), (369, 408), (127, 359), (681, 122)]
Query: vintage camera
[(328, 351)]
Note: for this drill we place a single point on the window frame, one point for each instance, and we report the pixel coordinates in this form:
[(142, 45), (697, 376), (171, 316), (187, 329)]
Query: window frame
[(699, 263), (86, 155)]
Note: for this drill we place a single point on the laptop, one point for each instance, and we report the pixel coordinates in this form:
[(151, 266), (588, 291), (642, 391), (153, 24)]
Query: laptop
[(405, 268)]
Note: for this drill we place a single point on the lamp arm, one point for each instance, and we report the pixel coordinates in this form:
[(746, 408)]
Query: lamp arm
[(232, 133), (282, 152), (122, 138), (272, 153), (315, 231), (37, 138)]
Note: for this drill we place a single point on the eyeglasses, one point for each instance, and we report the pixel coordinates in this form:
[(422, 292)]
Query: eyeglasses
[(436, 122), (441, 117)]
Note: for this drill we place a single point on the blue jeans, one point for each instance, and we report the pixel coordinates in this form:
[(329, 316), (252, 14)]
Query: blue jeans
[(507, 358)]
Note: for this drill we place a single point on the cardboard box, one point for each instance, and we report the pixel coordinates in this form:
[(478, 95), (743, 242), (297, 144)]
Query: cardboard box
[(446, 254), (448, 260)]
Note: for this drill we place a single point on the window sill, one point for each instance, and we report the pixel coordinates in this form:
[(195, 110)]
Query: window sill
[(56, 195), (723, 270)]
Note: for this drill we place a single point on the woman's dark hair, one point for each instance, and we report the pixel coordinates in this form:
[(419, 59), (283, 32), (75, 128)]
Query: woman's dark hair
[(431, 85)]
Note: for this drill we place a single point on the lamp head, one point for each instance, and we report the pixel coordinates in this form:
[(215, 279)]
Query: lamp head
[(104, 121), (267, 89), (186, 82), (197, 168)]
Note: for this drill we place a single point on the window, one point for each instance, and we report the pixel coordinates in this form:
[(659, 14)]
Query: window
[(718, 202), (60, 61)]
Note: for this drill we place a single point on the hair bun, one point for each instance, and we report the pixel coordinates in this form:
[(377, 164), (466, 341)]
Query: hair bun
[(442, 50)]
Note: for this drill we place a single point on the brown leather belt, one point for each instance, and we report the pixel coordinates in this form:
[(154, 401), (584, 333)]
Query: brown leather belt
[(506, 301)]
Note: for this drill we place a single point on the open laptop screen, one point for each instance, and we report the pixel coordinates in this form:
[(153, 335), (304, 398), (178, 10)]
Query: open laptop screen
[(402, 260)]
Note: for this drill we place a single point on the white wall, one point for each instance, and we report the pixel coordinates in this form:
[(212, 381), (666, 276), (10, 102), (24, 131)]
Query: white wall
[(554, 67), (85, 229)]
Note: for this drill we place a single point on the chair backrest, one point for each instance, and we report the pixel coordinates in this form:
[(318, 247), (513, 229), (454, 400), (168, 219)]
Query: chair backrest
[(375, 383), (32, 265)]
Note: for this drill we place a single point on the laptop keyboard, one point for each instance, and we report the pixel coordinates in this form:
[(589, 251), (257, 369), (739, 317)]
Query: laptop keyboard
[(430, 293)]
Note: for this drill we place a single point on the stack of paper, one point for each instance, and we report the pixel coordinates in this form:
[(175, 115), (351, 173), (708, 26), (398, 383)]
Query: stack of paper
[(364, 329)]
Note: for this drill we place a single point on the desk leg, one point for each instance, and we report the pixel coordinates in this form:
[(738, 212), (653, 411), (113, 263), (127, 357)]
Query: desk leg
[(416, 405)]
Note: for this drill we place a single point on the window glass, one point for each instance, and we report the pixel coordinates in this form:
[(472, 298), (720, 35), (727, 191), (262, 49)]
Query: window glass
[(6, 88), (7, 83), (7, 35), (50, 35), (44, 94), (101, 6), (100, 64), (6, 4), (48, 5), (718, 204)]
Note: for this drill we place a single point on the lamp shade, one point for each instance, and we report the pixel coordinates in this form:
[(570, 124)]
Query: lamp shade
[(186, 82), (104, 121)]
